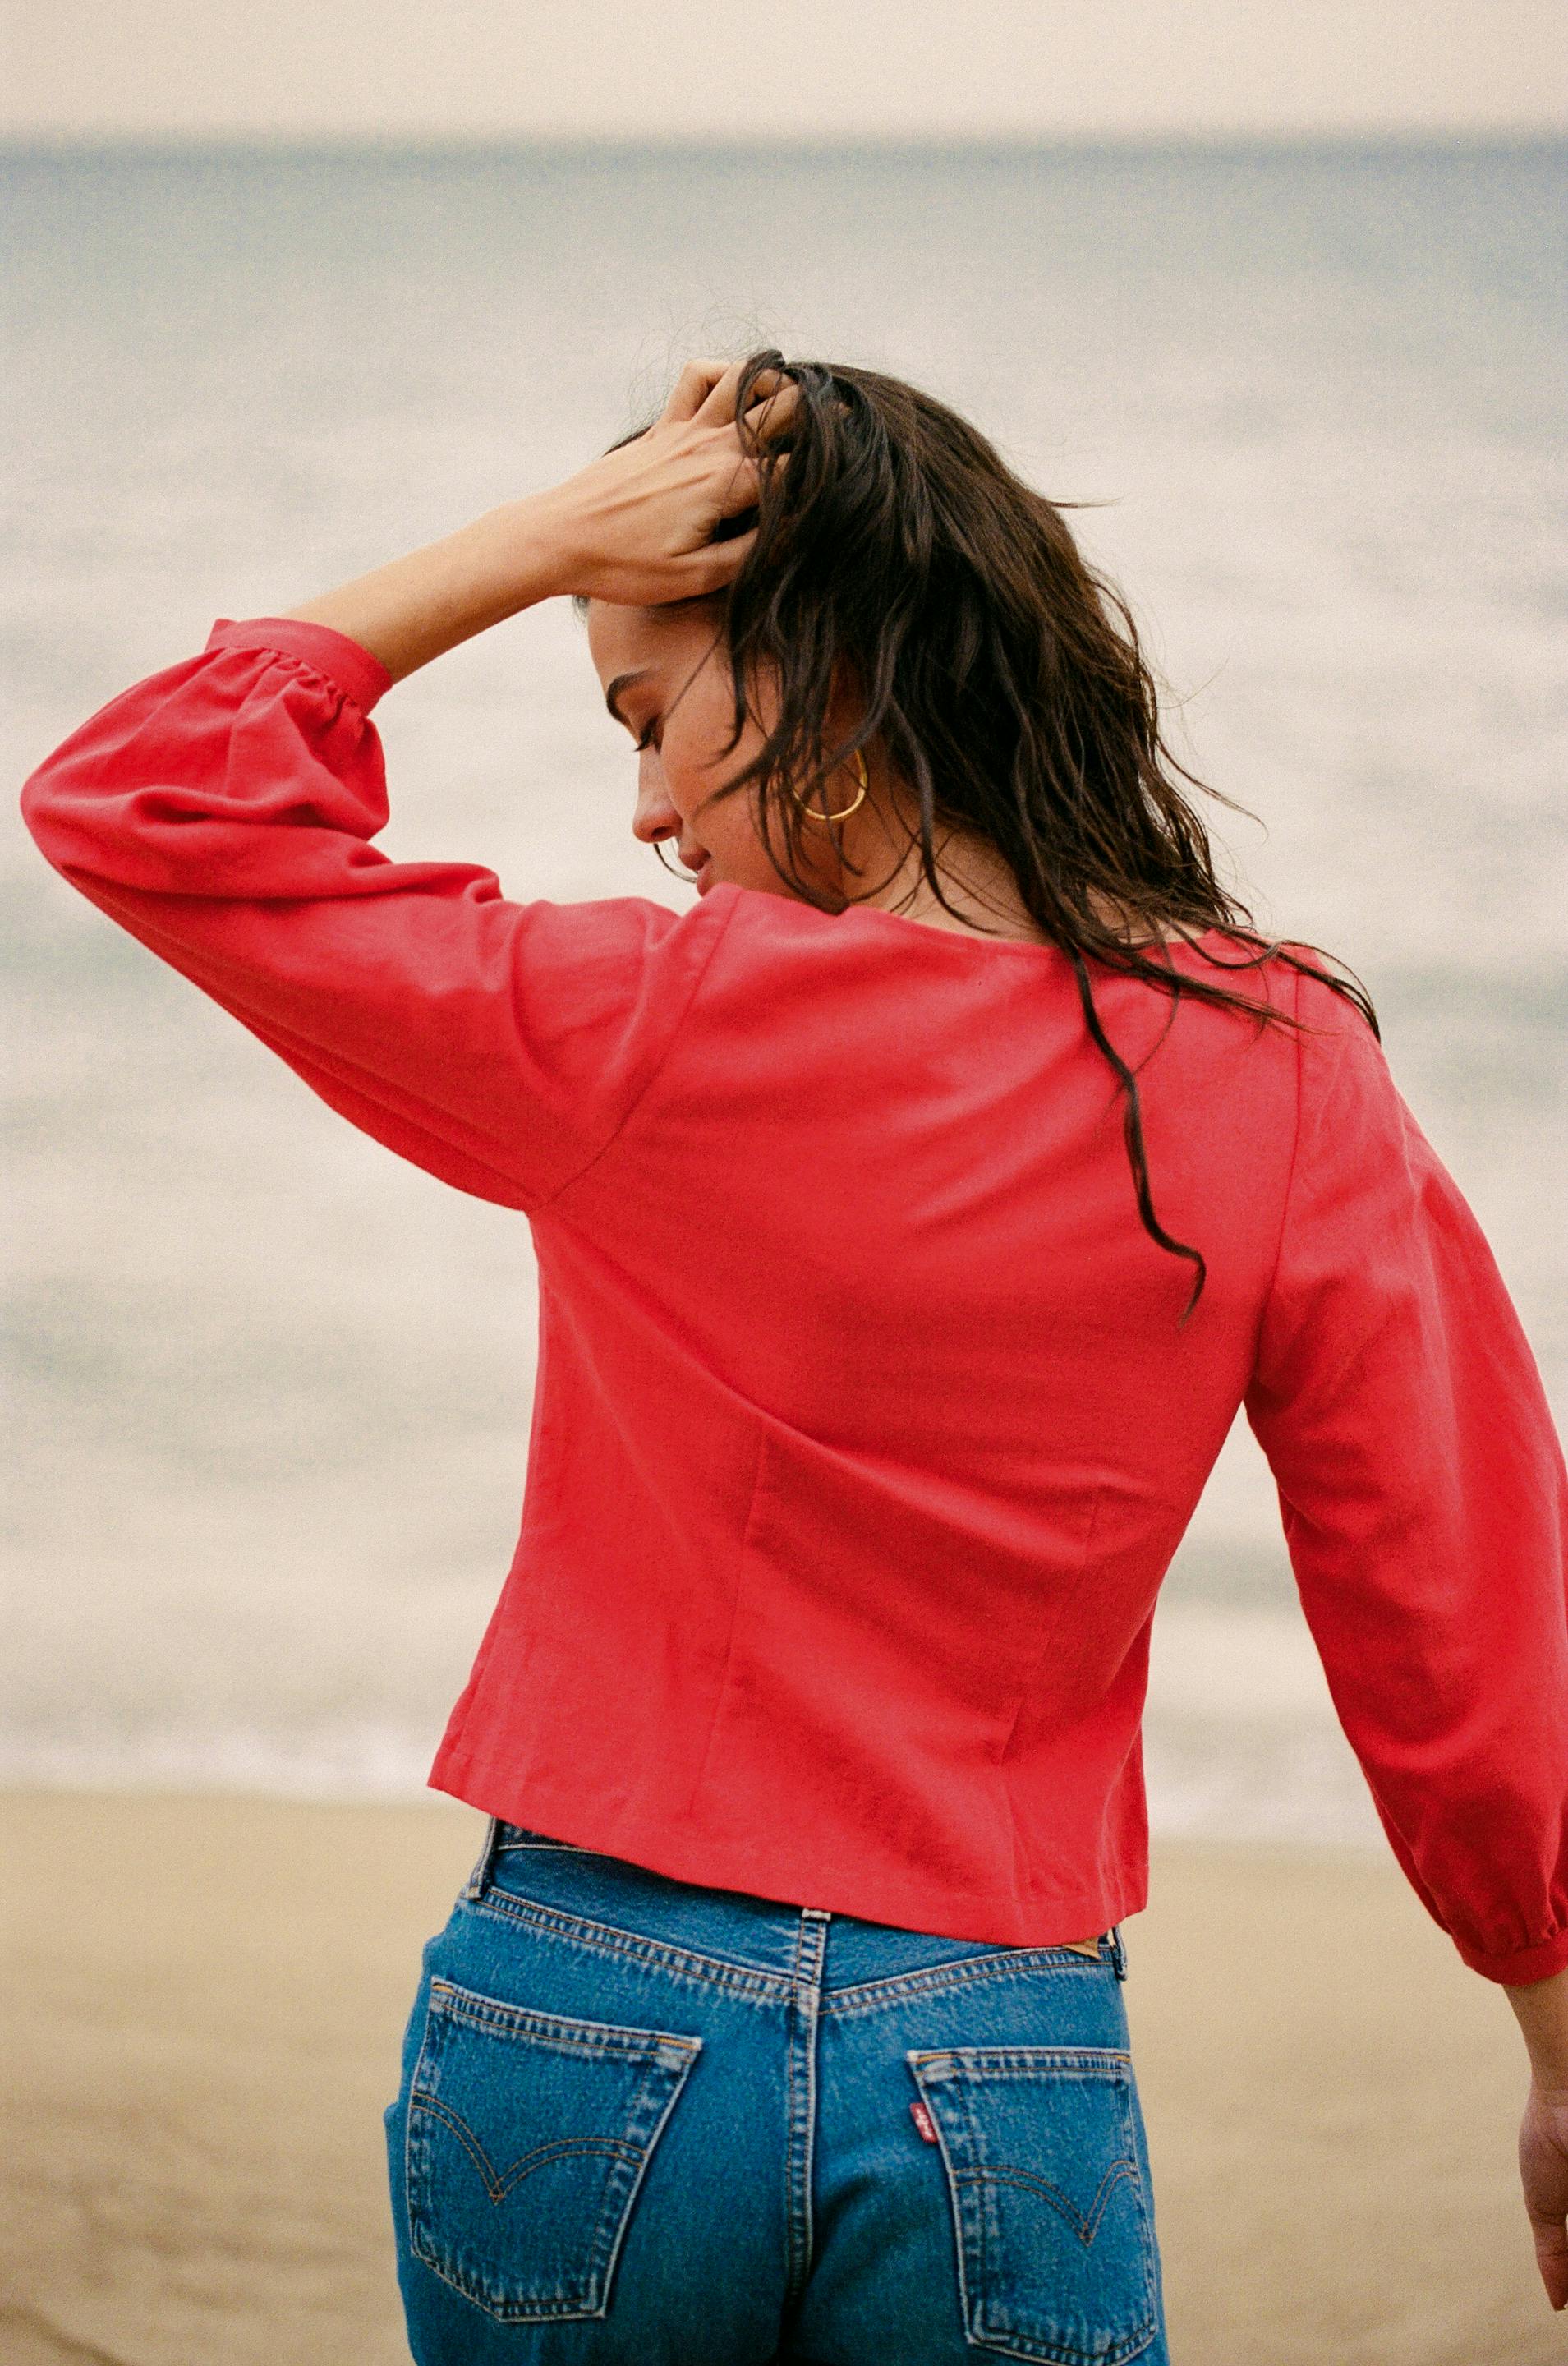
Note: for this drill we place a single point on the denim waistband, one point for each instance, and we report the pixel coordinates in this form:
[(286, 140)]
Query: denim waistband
[(1106, 1946)]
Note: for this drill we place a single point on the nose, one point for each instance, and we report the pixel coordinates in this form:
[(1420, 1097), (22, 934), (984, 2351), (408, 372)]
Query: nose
[(655, 817)]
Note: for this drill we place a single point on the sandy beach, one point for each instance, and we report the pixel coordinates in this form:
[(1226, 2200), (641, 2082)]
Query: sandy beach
[(204, 1999)]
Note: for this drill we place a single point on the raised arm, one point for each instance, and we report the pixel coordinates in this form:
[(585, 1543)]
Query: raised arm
[(634, 527), (223, 810)]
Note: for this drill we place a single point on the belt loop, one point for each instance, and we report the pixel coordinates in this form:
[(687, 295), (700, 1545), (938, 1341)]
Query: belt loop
[(1118, 1952), (475, 1884)]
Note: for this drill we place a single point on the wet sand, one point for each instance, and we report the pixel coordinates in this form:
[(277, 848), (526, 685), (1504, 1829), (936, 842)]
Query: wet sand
[(203, 2001)]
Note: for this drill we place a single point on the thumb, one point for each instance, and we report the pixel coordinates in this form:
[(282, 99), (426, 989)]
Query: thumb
[(1550, 2239)]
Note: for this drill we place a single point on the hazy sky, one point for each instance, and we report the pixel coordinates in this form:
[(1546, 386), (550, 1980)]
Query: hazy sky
[(659, 69)]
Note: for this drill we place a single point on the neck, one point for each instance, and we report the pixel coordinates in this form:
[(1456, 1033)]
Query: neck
[(979, 894)]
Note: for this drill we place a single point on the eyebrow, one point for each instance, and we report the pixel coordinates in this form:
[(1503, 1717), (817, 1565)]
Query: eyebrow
[(623, 681)]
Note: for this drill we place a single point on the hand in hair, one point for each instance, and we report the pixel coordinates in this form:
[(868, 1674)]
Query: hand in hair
[(660, 517), (644, 523)]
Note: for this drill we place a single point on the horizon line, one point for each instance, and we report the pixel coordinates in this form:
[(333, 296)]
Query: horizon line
[(461, 143)]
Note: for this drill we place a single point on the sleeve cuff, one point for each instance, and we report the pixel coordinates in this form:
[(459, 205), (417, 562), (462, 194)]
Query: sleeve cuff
[(341, 661), (1520, 1970)]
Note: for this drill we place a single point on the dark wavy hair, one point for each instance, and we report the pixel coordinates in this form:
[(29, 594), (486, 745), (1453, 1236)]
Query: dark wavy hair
[(1001, 677)]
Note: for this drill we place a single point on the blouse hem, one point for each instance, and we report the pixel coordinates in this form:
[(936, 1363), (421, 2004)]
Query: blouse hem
[(710, 1862)]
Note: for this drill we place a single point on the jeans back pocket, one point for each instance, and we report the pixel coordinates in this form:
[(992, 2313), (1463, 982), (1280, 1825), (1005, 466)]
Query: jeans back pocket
[(1055, 2233), (528, 2138)]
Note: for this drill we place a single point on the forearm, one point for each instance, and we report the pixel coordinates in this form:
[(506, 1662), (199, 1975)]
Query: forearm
[(1541, 2011), (417, 607)]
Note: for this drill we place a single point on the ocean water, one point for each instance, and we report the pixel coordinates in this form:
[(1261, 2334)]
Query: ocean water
[(268, 1389)]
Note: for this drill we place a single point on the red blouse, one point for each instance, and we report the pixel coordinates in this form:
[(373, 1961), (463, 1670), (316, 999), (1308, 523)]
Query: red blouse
[(863, 1430)]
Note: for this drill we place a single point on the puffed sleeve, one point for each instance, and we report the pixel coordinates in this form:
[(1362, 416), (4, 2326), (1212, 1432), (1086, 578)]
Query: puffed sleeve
[(221, 811), (1425, 1503)]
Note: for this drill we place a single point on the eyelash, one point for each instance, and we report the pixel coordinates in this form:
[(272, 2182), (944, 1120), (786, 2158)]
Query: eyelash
[(645, 740)]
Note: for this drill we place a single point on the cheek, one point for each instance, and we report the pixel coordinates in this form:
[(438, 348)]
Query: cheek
[(725, 825), (729, 832)]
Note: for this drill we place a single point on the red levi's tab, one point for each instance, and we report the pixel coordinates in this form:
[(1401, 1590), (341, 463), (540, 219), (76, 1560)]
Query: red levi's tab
[(923, 2120)]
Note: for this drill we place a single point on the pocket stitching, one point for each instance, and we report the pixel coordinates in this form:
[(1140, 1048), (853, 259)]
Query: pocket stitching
[(563, 2031), (1019, 2061), (499, 2182), (1084, 2228), (938, 1979), (969, 2191), (661, 2049)]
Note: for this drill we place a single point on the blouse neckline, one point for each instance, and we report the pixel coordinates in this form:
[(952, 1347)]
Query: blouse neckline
[(878, 914)]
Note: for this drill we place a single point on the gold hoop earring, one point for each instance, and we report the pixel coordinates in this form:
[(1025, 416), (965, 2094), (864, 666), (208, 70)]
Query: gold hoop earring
[(844, 811)]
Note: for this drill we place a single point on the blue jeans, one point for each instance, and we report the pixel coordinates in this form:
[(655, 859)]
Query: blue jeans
[(644, 2121)]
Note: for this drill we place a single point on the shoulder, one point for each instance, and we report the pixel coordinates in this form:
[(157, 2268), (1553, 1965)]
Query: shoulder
[(617, 962), (1322, 1010), (1351, 1114), (1335, 1032), (626, 929), (1310, 1032)]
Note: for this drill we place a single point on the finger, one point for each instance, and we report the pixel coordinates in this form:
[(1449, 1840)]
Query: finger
[(742, 488), (717, 406), (741, 445), (1551, 2257), (692, 388), (712, 566), (775, 412), (720, 406)]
